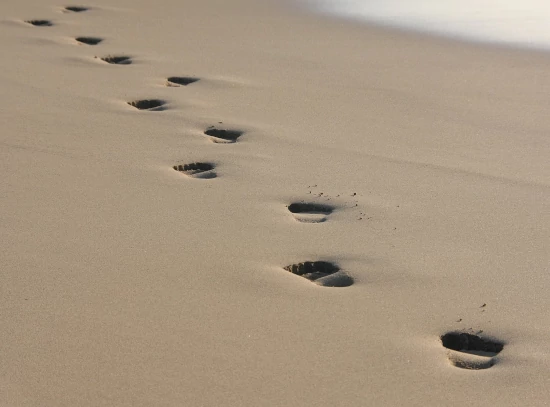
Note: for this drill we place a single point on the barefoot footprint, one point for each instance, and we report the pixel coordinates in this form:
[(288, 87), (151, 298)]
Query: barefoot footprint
[(177, 81), (89, 40), (469, 351), (197, 170), (310, 212), (76, 9), (117, 59), (40, 23), (148, 104), (322, 273), (223, 135)]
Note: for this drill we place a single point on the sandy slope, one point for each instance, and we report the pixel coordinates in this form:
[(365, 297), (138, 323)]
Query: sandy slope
[(126, 283)]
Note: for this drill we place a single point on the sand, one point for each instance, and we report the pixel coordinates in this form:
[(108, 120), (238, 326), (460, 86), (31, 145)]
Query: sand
[(127, 283)]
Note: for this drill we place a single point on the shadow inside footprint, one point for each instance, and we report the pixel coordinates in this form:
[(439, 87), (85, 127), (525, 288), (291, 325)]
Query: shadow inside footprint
[(223, 136), (310, 212), (40, 23), (470, 351), (76, 9), (197, 170), (322, 273), (180, 81), (117, 59), (89, 40), (148, 104)]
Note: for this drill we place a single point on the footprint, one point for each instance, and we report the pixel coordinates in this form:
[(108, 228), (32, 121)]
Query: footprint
[(469, 351), (117, 59), (148, 104), (310, 212), (176, 81), (321, 273), (223, 136), (197, 170), (40, 23), (89, 40), (76, 9)]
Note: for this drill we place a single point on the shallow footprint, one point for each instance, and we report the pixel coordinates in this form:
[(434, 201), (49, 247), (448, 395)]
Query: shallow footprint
[(89, 40), (310, 212), (197, 170), (40, 23), (148, 104), (176, 81), (117, 59), (322, 273), (223, 135), (76, 9), (471, 352)]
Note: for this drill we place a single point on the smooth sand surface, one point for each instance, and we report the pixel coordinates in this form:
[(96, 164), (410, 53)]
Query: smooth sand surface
[(127, 283)]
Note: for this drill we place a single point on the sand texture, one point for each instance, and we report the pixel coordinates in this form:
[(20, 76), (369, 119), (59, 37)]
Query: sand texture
[(150, 256)]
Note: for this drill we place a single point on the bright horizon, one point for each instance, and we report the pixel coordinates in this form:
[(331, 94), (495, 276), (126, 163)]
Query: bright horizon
[(525, 23)]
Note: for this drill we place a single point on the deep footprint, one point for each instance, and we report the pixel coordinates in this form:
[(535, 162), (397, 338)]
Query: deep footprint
[(471, 351), (197, 170), (76, 9), (148, 104), (223, 136), (322, 273), (89, 40), (180, 81), (310, 212), (117, 59), (40, 23)]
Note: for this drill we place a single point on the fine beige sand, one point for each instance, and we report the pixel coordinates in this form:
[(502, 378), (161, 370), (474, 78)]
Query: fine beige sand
[(127, 283)]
